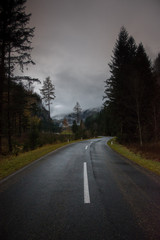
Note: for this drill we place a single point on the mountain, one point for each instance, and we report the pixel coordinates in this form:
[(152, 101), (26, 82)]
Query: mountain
[(70, 117)]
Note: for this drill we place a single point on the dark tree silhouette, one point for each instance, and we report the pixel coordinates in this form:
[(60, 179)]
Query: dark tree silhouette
[(74, 127), (130, 89), (156, 99), (15, 47), (117, 86), (142, 90)]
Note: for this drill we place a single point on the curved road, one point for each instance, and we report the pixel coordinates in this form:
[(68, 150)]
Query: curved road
[(84, 191)]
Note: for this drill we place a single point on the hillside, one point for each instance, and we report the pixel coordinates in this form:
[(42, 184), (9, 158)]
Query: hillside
[(70, 117)]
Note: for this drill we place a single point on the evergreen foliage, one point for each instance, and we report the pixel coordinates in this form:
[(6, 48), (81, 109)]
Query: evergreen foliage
[(15, 48), (130, 91), (77, 109), (74, 127), (48, 92), (155, 116)]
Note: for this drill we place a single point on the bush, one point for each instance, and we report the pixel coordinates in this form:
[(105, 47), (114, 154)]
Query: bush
[(33, 139)]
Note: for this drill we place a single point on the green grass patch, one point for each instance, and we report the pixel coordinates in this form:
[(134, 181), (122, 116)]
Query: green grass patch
[(149, 164), (67, 132), (10, 164)]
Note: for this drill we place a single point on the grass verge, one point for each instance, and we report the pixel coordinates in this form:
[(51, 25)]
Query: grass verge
[(149, 164), (10, 164)]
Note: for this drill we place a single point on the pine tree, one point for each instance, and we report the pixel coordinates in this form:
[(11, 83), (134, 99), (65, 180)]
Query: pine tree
[(142, 92), (118, 85), (77, 109), (156, 99), (15, 47), (130, 90), (48, 92), (156, 69), (74, 127)]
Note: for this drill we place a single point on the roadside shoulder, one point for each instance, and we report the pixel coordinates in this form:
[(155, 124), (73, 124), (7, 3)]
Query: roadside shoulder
[(148, 166)]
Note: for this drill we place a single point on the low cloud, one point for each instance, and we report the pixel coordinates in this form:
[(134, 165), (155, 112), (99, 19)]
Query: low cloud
[(74, 40)]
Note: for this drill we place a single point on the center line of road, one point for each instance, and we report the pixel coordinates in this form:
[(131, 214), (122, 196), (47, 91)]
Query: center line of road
[(86, 187), (86, 147)]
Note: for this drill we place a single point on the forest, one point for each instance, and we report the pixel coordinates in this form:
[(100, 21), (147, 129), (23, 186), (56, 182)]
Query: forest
[(131, 101), (22, 114), (131, 109), (132, 93)]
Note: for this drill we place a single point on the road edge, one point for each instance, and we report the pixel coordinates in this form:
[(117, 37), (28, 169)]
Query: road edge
[(155, 176), (35, 161)]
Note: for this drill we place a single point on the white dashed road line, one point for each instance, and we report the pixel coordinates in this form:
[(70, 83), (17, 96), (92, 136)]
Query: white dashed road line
[(86, 187)]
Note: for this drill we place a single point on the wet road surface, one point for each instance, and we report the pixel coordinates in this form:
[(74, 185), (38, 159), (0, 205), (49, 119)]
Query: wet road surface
[(84, 191)]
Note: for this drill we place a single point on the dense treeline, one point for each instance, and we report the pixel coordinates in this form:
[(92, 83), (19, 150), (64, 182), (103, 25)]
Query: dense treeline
[(28, 119), (24, 122), (15, 47), (22, 115), (132, 94)]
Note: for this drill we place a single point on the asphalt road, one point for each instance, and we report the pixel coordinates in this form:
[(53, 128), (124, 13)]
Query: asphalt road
[(84, 191)]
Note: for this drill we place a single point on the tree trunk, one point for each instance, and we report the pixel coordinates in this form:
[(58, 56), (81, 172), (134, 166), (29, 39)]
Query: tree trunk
[(139, 125), (20, 125), (2, 80), (1, 105), (49, 108), (155, 123), (8, 113)]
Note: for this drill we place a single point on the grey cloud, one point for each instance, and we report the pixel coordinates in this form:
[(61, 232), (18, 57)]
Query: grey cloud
[(71, 88), (74, 40)]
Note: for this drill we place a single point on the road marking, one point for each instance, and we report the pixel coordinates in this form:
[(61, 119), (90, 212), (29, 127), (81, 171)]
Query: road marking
[(86, 187), (86, 147)]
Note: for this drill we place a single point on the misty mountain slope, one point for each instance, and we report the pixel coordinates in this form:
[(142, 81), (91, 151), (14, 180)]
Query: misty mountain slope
[(70, 117)]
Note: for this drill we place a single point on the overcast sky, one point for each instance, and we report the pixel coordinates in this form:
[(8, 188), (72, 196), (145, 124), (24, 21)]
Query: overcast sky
[(74, 40)]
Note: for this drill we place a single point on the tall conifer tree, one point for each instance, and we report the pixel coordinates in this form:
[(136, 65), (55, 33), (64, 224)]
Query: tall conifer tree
[(142, 92), (48, 93), (130, 90), (77, 109), (15, 47), (156, 99), (117, 86)]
